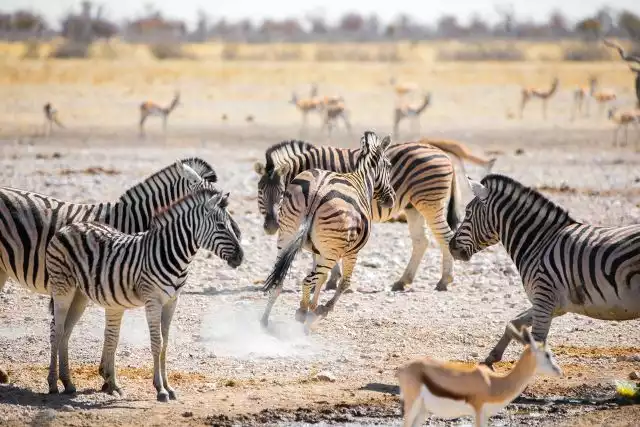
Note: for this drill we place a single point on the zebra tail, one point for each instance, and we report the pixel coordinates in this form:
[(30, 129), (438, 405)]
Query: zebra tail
[(286, 257), (454, 203)]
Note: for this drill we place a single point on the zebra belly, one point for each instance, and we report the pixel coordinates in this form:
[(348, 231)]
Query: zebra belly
[(621, 311)]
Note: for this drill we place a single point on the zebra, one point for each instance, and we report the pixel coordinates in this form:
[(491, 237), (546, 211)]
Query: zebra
[(89, 261), (329, 214), (422, 176), (28, 220), (566, 266)]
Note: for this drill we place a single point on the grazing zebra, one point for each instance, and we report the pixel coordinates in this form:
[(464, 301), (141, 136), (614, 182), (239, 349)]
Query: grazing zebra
[(566, 266), (28, 220), (329, 214), (422, 176), (89, 261)]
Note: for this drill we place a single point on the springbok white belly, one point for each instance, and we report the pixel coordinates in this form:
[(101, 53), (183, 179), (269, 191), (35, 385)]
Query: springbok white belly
[(448, 408)]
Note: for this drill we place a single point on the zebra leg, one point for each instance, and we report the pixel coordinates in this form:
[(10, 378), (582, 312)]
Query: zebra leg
[(443, 234), (334, 278), (78, 305), (107, 370), (348, 264), (61, 306), (273, 296), (415, 221), (153, 310), (3, 279), (167, 314), (525, 318)]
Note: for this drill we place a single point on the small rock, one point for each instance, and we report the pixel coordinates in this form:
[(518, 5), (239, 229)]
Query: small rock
[(125, 353), (484, 299), (635, 375), (67, 408), (325, 376), (371, 264), (187, 414), (519, 152), (474, 354)]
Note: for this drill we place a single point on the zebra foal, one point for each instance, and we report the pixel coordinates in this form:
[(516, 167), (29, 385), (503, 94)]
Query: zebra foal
[(422, 176), (565, 266), (89, 261), (329, 214), (30, 219)]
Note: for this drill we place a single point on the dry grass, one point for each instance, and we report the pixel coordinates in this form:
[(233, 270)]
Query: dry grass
[(427, 51)]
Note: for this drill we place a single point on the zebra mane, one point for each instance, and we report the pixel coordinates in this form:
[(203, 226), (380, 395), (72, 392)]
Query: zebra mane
[(203, 169), (195, 198), (502, 183), (285, 148)]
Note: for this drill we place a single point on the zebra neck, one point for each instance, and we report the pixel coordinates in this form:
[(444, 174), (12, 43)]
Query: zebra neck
[(364, 175), (525, 230), (110, 213), (141, 202), (171, 244)]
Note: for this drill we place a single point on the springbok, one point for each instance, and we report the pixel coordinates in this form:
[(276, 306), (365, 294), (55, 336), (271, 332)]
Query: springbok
[(331, 113), (625, 118), (531, 92), (402, 88), (149, 108), (450, 391), (412, 111), (51, 118)]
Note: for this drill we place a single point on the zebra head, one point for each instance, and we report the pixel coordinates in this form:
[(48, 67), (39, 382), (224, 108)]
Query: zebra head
[(477, 231), (271, 187), (217, 232), (373, 155)]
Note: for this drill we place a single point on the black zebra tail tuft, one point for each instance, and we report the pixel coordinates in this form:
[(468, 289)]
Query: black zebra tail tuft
[(286, 257), (454, 202)]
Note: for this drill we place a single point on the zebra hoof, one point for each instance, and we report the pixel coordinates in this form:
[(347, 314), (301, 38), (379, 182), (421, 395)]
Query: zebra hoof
[(301, 315), (398, 286), (488, 363), (53, 390), (163, 396), (331, 286), (172, 394), (70, 389), (4, 377)]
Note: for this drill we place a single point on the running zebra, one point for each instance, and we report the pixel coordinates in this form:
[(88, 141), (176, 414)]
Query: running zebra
[(422, 176), (329, 214), (29, 219), (89, 261), (566, 266)]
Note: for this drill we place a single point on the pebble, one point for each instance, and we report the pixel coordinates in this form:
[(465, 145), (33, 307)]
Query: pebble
[(325, 376), (634, 375), (67, 408), (474, 354)]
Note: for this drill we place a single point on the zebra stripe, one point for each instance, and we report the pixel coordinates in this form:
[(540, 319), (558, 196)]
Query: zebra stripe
[(89, 261), (566, 266), (28, 220), (330, 214), (422, 176)]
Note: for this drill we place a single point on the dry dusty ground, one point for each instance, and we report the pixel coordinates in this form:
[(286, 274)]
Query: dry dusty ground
[(229, 371)]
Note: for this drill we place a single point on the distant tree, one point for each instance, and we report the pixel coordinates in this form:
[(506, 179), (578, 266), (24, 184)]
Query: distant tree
[(448, 26), (24, 20), (507, 18), (557, 24), (317, 21), (590, 28), (372, 24), (477, 26), (351, 22), (630, 23)]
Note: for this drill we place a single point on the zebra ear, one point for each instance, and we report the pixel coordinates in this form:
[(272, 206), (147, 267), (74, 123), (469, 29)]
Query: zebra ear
[(219, 200), (479, 190), (259, 168), (282, 169), (386, 142), (188, 173)]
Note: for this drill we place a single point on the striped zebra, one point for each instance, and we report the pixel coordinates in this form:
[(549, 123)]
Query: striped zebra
[(89, 261), (566, 266), (28, 220), (329, 214), (422, 176)]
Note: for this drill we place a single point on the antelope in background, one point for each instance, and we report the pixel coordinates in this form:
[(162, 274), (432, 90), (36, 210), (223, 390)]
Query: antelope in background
[(625, 118), (149, 108), (583, 94), (51, 118), (630, 59), (529, 92), (451, 391), (461, 152), (306, 106), (332, 112), (412, 112)]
